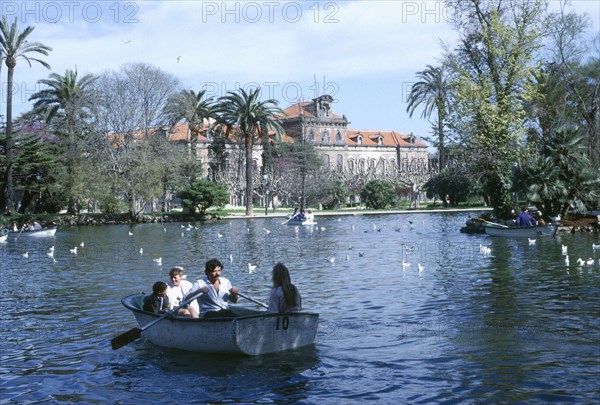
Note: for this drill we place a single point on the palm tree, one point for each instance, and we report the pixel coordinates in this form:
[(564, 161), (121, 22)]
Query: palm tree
[(433, 92), (251, 118), (64, 99), (14, 45), (194, 109)]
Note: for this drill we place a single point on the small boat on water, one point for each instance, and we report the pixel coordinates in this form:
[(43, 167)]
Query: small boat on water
[(42, 233), (493, 229), (252, 332), (295, 221)]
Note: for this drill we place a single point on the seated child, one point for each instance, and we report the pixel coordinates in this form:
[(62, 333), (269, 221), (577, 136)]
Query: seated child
[(157, 302)]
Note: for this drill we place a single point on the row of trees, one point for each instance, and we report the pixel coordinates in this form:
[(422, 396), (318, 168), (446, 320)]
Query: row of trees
[(515, 106)]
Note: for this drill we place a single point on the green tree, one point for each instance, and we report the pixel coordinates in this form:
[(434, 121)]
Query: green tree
[(378, 194), (250, 119), (66, 101), (497, 41), (432, 92), (203, 194), (452, 185), (195, 109), (14, 45)]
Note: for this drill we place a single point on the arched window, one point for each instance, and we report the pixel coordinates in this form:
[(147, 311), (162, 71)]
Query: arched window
[(325, 136), (359, 139)]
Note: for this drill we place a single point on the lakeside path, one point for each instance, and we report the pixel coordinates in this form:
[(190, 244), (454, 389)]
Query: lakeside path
[(348, 212)]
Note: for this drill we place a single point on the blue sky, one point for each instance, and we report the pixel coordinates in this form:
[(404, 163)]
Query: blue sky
[(364, 53)]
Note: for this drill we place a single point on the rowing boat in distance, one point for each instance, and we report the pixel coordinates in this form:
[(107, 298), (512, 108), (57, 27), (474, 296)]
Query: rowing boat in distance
[(251, 332), (493, 229), (41, 233), (295, 221)]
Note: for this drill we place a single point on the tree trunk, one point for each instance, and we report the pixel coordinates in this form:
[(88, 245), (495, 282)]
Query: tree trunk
[(249, 185), (10, 194)]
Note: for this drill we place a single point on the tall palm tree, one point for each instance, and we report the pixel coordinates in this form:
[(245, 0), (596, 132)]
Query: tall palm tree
[(65, 99), (251, 118), (194, 109), (14, 45), (432, 91)]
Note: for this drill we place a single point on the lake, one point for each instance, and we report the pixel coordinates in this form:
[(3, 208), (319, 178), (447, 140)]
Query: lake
[(515, 325)]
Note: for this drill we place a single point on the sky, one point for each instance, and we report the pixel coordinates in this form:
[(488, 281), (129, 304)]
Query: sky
[(363, 53)]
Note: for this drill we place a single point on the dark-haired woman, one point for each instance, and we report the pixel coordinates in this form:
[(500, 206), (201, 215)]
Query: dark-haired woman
[(284, 296)]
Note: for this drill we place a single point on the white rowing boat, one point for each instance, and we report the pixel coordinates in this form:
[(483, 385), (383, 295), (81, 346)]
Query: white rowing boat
[(301, 222), (42, 233), (251, 332), (520, 231)]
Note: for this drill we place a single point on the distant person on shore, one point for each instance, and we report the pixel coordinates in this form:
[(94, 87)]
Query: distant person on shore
[(284, 297), (218, 292), (178, 288), (157, 302), (525, 219)]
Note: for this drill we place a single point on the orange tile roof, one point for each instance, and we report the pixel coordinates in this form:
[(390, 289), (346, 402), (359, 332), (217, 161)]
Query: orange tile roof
[(306, 108), (389, 138)]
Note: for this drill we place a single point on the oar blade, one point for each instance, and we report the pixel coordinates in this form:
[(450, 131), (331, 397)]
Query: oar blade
[(125, 338)]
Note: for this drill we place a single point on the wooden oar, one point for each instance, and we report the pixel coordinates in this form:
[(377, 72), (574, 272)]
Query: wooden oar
[(491, 223), (135, 333), (292, 217), (253, 300)]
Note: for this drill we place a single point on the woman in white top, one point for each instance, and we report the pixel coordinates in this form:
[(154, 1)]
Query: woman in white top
[(284, 295), (178, 288)]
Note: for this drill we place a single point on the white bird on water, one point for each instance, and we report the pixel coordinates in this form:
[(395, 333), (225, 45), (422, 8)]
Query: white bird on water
[(421, 267), (82, 244), (251, 268), (74, 250), (25, 255), (158, 261), (594, 246), (405, 263), (564, 249), (141, 251), (230, 258), (531, 241), (130, 233), (267, 231)]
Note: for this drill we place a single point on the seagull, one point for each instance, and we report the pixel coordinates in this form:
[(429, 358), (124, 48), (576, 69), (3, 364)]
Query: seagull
[(50, 254), (231, 258), (405, 263), (347, 257), (266, 230), (531, 241), (51, 249), (421, 267), (251, 268), (158, 261), (331, 260), (564, 249), (589, 261), (74, 250), (130, 233), (219, 235), (361, 254), (25, 255), (594, 246), (141, 251), (580, 261), (178, 59), (82, 244)]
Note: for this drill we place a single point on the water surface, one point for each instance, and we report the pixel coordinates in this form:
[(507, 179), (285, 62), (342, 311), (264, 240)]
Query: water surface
[(517, 325)]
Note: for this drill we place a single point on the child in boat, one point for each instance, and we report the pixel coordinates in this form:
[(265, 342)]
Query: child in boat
[(284, 297), (157, 302), (218, 292), (178, 288)]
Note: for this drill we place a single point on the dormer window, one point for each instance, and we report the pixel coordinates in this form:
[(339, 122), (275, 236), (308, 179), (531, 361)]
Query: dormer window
[(359, 139)]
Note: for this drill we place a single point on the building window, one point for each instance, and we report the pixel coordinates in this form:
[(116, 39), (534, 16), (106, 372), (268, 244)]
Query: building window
[(379, 140), (351, 165), (359, 139), (326, 161), (340, 162), (338, 137), (311, 136)]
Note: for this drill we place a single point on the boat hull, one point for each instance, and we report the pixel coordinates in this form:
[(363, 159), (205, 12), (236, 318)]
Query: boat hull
[(297, 222), (251, 333), (521, 231), (43, 233)]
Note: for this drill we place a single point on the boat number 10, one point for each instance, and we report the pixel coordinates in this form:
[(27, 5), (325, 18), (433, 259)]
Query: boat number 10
[(282, 323)]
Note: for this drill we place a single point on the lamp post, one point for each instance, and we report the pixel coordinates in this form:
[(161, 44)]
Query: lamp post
[(266, 179)]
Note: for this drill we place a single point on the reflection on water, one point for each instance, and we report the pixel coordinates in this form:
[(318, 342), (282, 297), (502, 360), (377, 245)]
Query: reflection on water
[(514, 325)]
